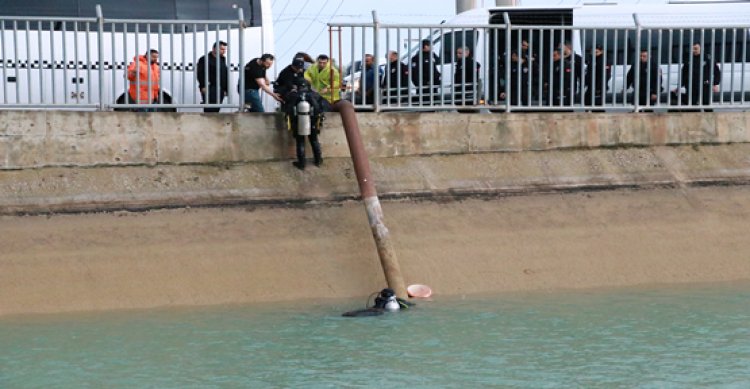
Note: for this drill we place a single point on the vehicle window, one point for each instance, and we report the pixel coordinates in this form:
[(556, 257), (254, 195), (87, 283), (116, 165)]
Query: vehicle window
[(137, 9), (39, 8), (454, 40)]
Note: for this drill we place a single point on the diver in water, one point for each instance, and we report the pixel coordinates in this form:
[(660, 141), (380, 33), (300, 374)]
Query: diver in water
[(386, 301)]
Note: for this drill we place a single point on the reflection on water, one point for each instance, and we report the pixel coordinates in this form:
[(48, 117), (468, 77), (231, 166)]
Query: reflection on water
[(656, 337)]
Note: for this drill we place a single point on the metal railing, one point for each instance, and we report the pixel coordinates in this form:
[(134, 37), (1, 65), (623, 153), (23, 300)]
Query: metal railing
[(96, 63), (515, 68)]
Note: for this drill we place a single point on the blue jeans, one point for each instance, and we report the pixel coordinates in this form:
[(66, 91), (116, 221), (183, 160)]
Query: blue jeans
[(252, 97)]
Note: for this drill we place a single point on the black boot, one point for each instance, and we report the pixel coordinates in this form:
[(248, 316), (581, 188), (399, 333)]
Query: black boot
[(300, 163), (317, 152)]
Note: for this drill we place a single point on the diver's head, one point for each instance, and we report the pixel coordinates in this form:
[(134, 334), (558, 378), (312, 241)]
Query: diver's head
[(387, 293)]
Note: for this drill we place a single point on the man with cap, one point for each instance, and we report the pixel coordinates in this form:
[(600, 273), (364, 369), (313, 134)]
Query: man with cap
[(292, 86), (424, 68)]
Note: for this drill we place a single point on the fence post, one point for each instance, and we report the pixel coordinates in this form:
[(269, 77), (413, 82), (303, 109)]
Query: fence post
[(241, 30), (100, 43), (376, 62), (637, 65), (507, 62)]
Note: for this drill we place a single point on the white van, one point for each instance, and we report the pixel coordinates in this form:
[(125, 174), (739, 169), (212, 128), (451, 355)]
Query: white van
[(667, 29)]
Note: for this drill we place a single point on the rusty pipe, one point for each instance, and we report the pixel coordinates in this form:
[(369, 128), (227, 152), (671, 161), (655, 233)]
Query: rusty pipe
[(388, 259)]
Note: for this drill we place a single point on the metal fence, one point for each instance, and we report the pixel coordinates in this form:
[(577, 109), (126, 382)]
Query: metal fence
[(508, 67), (101, 63)]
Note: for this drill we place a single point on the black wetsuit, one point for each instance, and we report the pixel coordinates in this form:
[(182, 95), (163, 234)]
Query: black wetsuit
[(293, 87)]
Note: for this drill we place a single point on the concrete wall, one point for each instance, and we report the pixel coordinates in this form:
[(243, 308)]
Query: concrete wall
[(692, 228), (34, 139)]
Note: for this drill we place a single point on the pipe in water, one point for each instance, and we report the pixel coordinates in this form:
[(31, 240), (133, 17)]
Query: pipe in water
[(388, 259)]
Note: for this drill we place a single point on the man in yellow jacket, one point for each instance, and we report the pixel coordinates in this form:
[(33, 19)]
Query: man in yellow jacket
[(143, 74), (319, 77)]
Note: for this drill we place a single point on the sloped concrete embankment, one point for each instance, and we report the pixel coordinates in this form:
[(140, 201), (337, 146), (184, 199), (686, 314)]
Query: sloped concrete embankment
[(680, 215)]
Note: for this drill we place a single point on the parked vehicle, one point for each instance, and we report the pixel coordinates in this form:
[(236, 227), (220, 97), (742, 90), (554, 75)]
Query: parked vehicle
[(53, 50)]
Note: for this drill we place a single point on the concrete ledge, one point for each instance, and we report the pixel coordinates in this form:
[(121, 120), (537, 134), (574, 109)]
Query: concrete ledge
[(33, 139), (144, 187)]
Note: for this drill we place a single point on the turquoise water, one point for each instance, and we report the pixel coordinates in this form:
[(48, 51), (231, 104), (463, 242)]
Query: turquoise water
[(679, 337)]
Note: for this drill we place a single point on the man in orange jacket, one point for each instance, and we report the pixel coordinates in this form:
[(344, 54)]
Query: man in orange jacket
[(143, 74)]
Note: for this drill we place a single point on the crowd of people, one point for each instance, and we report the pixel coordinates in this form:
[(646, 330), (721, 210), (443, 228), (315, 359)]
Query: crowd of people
[(566, 80), (563, 80)]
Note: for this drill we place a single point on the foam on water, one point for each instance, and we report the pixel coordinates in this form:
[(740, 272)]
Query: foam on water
[(655, 337)]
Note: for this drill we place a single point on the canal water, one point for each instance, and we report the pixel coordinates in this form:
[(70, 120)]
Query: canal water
[(660, 337)]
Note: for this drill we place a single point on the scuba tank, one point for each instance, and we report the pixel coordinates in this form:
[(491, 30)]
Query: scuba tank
[(392, 305), (303, 117)]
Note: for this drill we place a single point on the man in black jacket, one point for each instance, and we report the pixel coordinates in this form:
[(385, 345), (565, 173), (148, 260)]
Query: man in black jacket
[(598, 74), (396, 77), (466, 76), (519, 80), (213, 76), (649, 85), (424, 69), (700, 76)]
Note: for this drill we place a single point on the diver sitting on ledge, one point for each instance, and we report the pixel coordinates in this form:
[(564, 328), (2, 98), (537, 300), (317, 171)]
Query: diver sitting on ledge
[(386, 301)]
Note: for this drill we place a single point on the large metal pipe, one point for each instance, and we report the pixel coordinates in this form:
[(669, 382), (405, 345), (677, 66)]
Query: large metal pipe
[(465, 5), (388, 259), (506, 3)]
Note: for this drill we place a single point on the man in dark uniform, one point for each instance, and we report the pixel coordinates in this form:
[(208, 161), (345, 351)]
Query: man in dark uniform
[(649, 84), (424, 69), (519, 78), (466, 76), (396, 77), (213, 76), (561, 83), (598, 74), (531, 63), (576, 69), (700, 76), (292, 86)]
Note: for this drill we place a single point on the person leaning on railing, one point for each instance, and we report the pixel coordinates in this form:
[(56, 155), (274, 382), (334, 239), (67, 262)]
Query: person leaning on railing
[(320, 76), (143, 74), (255, 80)]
